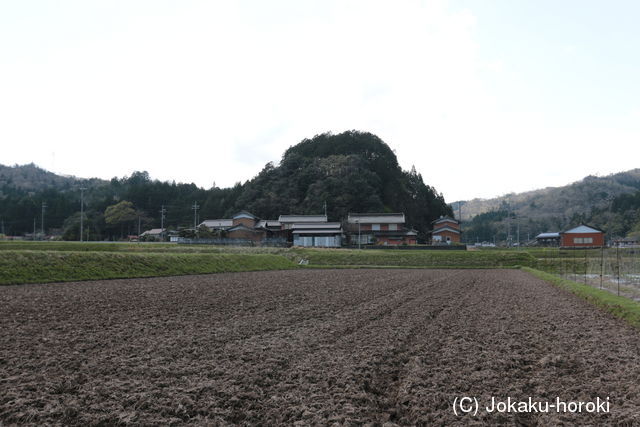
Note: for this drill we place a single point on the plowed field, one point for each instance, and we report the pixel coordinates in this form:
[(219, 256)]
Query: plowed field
[(309, 347)]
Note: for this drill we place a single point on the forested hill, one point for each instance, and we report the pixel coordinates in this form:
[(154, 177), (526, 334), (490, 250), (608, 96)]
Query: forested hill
[(600, 201), (350, 172), (32, 178)]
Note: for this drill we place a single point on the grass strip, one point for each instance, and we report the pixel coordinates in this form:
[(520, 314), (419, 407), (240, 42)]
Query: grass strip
[(434, 259), (402, 267), (131, 247), (18, 267), (620, 307)]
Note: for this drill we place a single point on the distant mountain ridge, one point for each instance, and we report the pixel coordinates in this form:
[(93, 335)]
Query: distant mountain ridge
[(31, 177), (577, 197), (548, 209)]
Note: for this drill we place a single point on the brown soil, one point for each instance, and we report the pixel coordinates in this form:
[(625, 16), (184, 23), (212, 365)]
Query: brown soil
[(309, 347)]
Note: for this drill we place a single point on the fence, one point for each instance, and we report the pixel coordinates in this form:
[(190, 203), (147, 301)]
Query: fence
[(616, 269)]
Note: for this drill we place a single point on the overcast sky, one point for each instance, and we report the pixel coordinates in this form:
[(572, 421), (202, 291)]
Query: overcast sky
[(483, 97)]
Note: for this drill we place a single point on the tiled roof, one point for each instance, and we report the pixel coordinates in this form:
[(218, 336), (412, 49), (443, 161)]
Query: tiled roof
[(376, 218), (217, 223), (245, 214), (152, 231), (441, 229), (548, 236), (582, 229), (302, 218), (445, 219), (308, 226)]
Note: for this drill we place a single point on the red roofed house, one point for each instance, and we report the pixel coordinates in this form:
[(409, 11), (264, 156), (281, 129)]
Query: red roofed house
[(380, 229), (582, 236), (445, 231)]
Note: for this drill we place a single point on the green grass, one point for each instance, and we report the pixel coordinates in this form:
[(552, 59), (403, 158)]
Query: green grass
[(129, 247), (29, 262), (621, 307), (17, 267), (40, 262), (408, 258)]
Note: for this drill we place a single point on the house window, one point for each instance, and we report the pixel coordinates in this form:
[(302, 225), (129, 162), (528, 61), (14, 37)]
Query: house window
[(393, 227), (375, 227), (583, 240)]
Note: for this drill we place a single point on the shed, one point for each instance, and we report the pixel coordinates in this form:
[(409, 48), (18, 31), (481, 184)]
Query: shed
[(548, 239)]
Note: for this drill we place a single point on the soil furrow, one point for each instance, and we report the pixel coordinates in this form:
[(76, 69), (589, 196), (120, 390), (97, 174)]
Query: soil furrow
[(309, 347)]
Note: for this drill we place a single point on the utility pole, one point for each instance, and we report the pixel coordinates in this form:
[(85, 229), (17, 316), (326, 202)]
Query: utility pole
[(44, 207), (34, 228), (138, 227), (195, 208), (162, 212), (3, 226), (81, 210), (358, 221)]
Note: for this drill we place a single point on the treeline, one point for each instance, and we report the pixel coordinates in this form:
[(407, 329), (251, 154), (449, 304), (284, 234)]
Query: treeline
[(619, 218), (349, 172), (20, 209)]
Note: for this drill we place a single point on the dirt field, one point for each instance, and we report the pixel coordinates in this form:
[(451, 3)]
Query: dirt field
[(312, 346)]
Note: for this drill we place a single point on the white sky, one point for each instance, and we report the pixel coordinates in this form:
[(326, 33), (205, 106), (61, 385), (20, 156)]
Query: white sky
[(483, 97)]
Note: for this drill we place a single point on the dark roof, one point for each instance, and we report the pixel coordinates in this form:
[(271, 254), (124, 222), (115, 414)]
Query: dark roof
[(249, 214), (404, 232), (453, 230), (445, 219), (243, 227), (548, 236), (302, 218), (374, 218)]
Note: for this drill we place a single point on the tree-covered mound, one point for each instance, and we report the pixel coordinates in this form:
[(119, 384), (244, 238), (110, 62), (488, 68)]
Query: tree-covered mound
[(350, 172)]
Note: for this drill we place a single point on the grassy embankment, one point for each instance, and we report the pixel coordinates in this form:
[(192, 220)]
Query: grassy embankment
[(18, 267), (409, 258), (621, 307), (128, 247), (39, 262)]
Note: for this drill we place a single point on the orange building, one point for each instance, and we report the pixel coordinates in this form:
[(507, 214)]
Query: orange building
[(582, 236), (445, 231)]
